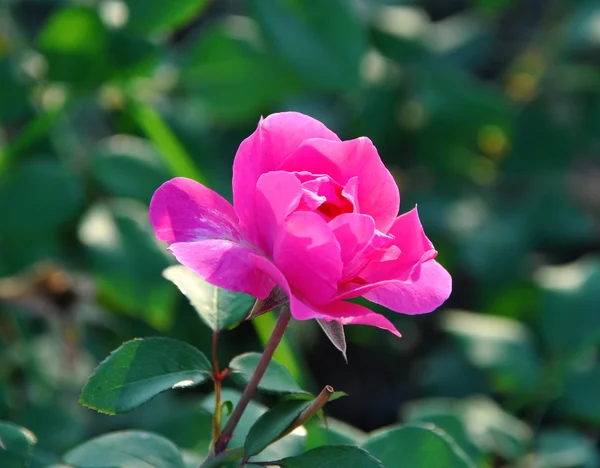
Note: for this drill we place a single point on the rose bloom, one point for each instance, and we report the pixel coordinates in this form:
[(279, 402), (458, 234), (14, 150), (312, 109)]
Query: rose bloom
[(312, 214)]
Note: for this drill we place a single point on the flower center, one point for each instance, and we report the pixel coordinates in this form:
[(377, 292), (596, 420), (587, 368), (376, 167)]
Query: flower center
[(324, 196)]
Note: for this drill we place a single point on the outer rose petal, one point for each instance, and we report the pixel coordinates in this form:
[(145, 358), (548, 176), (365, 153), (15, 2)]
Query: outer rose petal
[(277, 195), (377, 195), (419, 296), (345, 313), (275, 139), (415, 249), (184, 210), (224, 264), (308, 255)]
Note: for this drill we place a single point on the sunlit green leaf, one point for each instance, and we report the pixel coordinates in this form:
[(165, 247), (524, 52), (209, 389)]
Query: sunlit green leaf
[(416, 447), (218, 308), (140, 370), (16, 444), (126, 449)]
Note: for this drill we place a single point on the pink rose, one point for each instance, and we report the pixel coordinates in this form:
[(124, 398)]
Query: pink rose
[(313, 214)]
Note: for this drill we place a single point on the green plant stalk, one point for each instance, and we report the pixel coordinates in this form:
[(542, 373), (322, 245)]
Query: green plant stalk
[(280, 326), (224, 457), (217, 378)]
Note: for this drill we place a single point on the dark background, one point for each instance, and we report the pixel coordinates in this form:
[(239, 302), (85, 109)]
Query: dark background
[(487, 112)]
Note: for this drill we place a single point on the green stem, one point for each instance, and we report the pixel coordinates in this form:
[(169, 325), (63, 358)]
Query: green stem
[(282, 322), (224, 457)]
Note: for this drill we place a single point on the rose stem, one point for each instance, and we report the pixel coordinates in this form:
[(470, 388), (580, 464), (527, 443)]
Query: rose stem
[(282, 322), (309, 412), (217, 377)]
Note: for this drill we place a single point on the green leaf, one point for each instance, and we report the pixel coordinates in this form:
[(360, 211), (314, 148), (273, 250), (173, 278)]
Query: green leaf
[(140, 370), (232, 77), (127, 260), (218, 309), (330, 456), (75, 42), (126, 166), (55, 201), (158, 17), (277, 378), (416, 447), (126, 449), (327, 53), (579, 398), (569, 292), (500, 346), (272, 424), (561, 448), (475, 421), (16, 445), (13, 93)]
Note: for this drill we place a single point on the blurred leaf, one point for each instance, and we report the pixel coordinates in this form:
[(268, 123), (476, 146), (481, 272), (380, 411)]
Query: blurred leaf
[(582, 27), (174, 154), (565, 448), (579, 398), (332, 455), (14, 94), (500, 346), (416, 447), (327, 53), (570, 323), (146, 17), (127, 166), (277, 378), (477, 424), (16, 445), (336, 433), (403, 50), (271, 425), (217, 308), (141, 369), (75, 43), (231, 77), (37, 198), (452, 425), (127, 261), (126, 449)]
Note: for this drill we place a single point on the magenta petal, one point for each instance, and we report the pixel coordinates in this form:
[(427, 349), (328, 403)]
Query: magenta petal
[(414, 246), (224, 264), (377, 192), (275, 139), (308, 254), (348, 313), (277, 195), (424, 295), (183, 210), (354, 233)]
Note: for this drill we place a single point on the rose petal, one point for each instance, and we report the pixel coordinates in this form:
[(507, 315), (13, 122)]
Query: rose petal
[(277, 195), (377, 192), (184, 210), (224, 264), (275, 139), (308, 254), (415, 248), (419, 296), (345, 313)]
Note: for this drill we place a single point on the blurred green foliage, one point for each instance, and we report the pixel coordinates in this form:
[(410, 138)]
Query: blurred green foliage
[(487, 112)]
